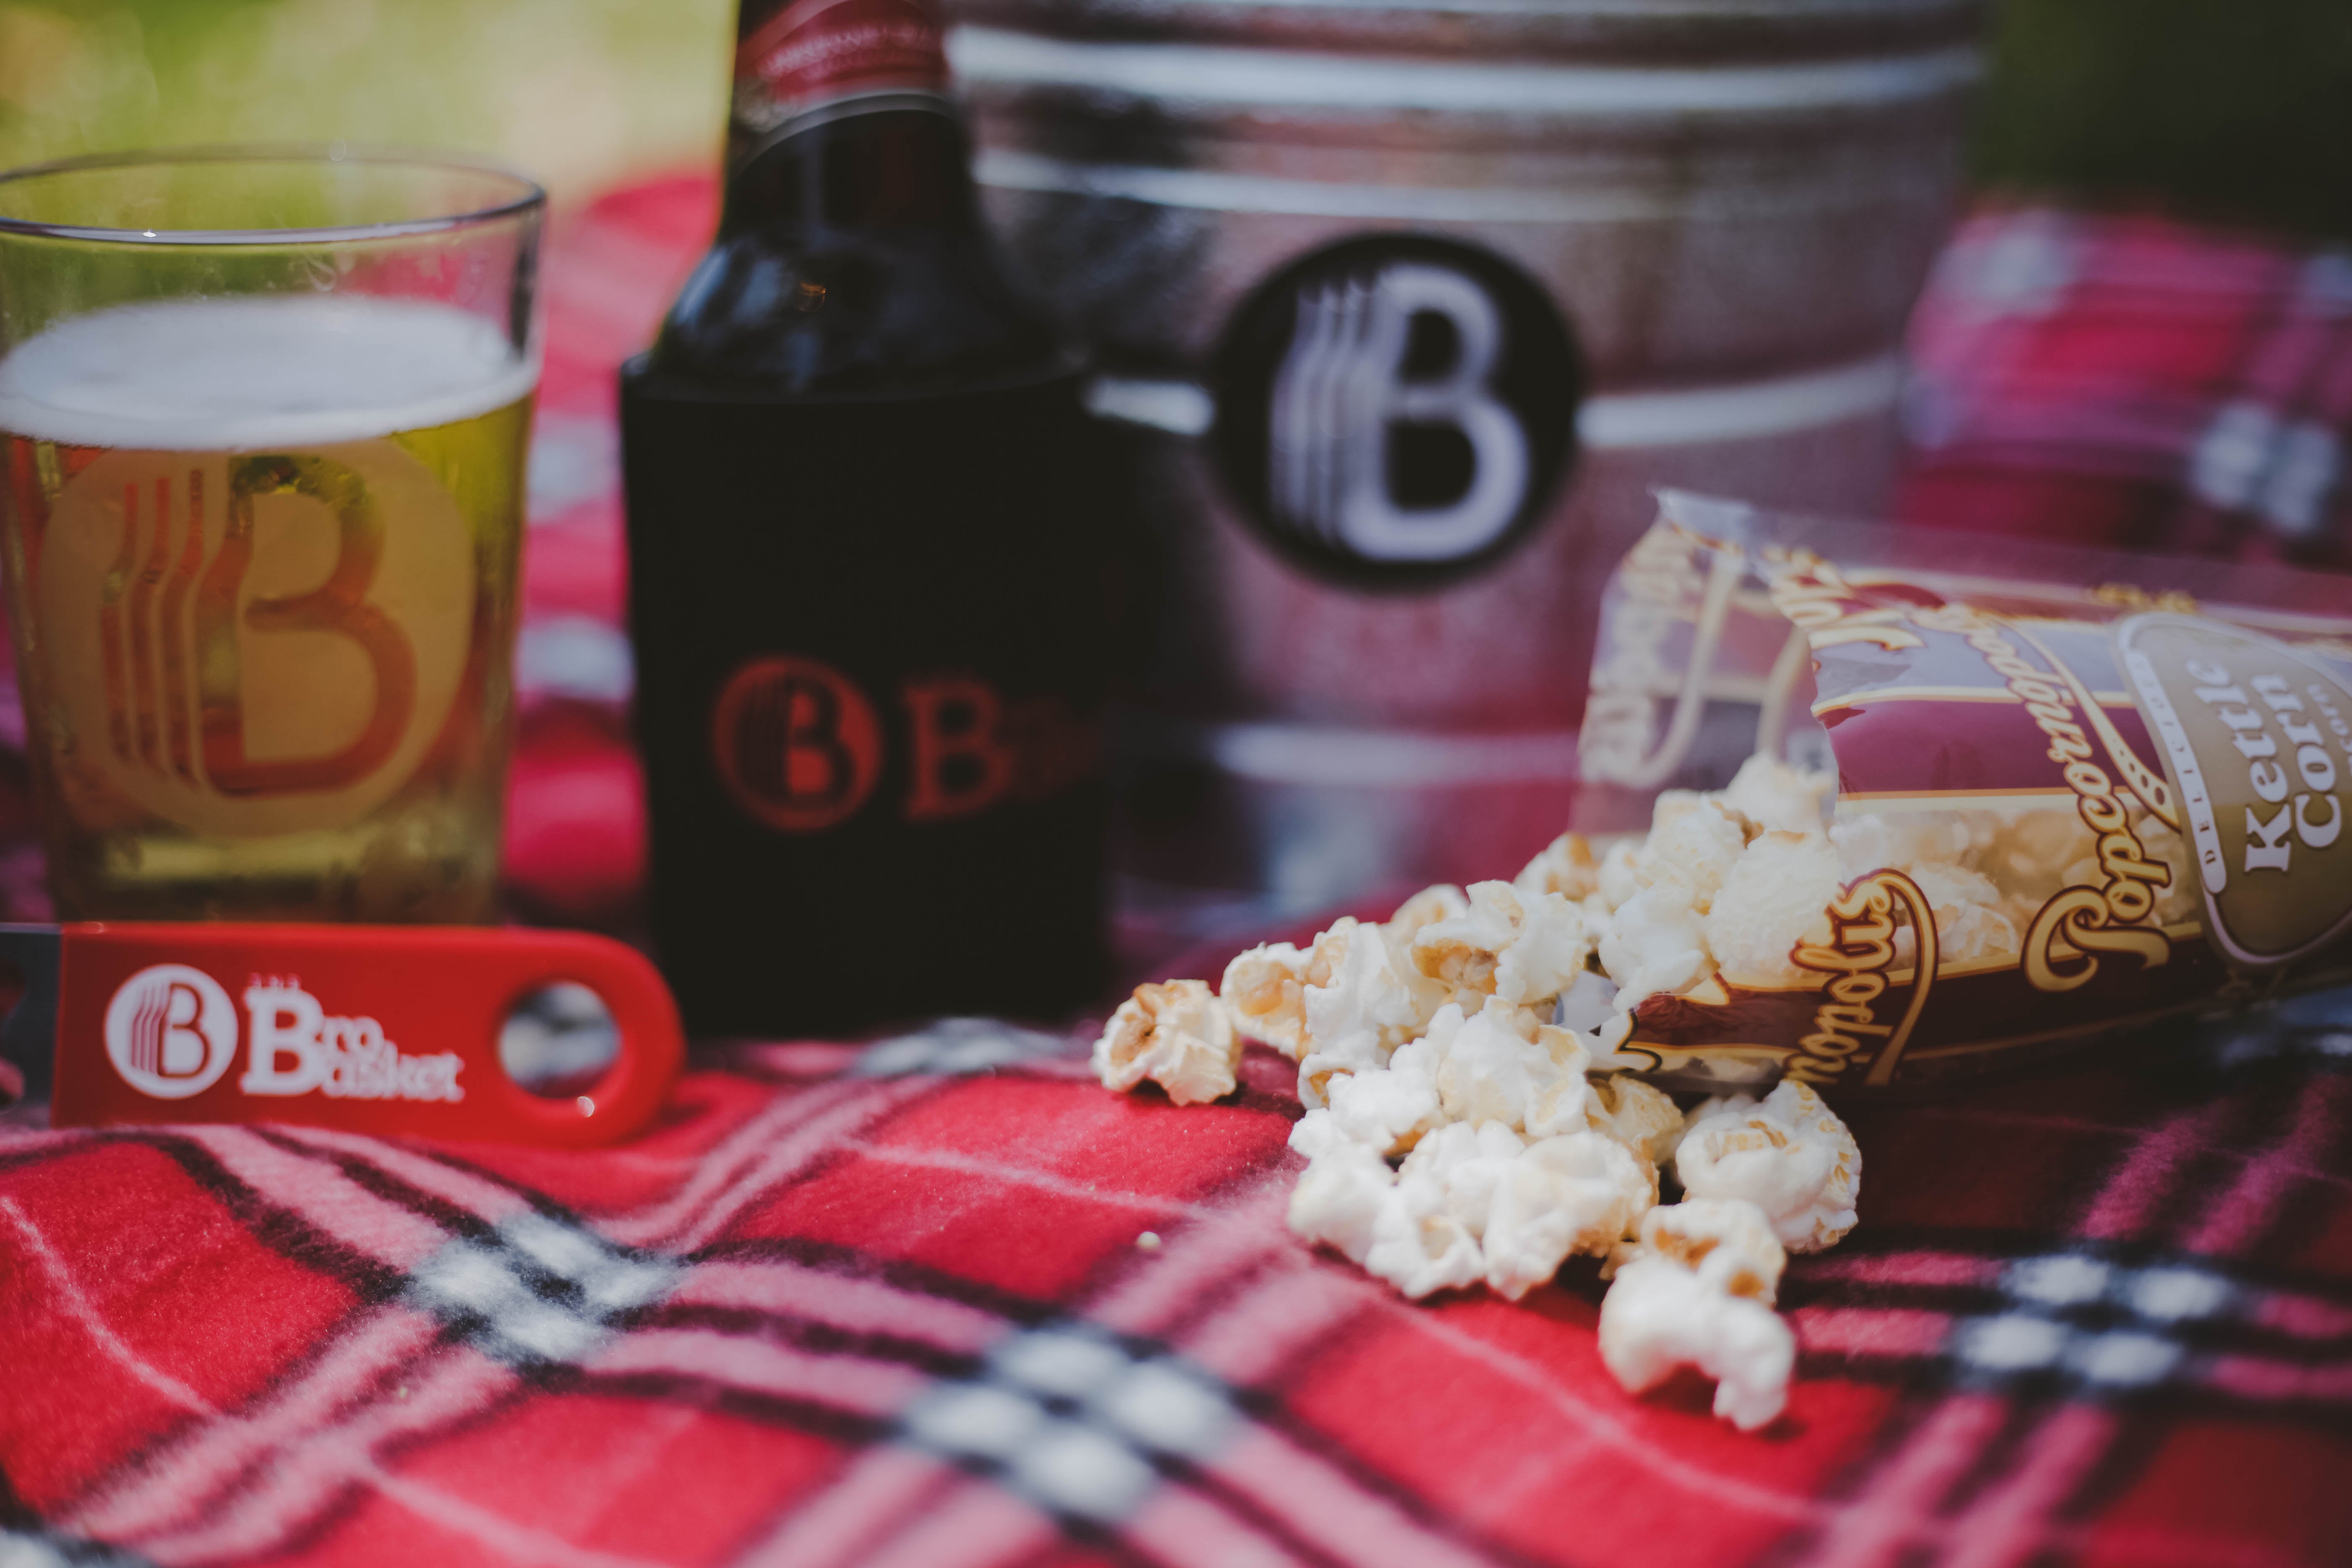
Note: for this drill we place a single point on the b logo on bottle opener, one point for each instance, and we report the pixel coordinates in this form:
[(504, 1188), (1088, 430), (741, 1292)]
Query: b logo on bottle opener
[(171, 1031)]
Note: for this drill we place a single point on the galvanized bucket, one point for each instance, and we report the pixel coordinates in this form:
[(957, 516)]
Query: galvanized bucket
[(1411, 305)]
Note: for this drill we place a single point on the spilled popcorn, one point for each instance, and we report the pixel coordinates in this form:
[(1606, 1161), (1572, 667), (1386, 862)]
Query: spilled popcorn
[(1176, 1035), (1697, 1289), (1468, 1119), (2058, 812)]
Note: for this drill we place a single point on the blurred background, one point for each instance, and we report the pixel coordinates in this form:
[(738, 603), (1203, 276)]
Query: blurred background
[(581, 92), (2232, 111)]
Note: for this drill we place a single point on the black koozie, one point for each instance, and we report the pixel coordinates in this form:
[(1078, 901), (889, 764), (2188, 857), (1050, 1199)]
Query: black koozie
[(871, 642)]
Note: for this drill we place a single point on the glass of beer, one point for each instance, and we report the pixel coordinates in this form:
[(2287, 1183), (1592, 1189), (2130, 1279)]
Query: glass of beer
[(263, 421)]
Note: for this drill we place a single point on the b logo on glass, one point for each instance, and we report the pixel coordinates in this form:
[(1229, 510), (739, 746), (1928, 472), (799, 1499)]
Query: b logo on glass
[(242, 645)]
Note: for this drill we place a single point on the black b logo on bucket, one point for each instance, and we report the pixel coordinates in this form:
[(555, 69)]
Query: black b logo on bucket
[(1396, 412)]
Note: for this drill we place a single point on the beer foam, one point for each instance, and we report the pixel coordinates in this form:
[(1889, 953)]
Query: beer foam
[(243, 373)]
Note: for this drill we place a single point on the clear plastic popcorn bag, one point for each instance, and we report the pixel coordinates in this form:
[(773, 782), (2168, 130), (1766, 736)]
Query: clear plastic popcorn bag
[(2075, 794)]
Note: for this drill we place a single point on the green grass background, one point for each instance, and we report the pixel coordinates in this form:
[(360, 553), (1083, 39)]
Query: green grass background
[(2234, 109), (580, 92)]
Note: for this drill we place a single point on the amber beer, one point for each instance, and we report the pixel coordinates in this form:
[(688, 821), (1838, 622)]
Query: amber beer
[(261, 562)]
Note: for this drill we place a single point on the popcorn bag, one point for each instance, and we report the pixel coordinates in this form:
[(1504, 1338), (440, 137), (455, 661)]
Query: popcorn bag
[(1971, 800), (2076, 792)]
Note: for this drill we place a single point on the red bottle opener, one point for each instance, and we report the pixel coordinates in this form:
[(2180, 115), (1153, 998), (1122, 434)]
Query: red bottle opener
[(379, 1029)]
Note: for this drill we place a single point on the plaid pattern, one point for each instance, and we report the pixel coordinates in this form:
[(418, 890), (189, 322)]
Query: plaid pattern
[(895, 1305), (2133, 381)]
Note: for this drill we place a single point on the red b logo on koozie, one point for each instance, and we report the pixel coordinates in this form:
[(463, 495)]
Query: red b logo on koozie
[(796, 744)]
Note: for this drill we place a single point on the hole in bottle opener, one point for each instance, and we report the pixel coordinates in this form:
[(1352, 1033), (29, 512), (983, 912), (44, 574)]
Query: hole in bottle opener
[(558, 1040)]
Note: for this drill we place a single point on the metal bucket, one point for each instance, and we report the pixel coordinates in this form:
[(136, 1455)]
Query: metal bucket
[(1723, 207)]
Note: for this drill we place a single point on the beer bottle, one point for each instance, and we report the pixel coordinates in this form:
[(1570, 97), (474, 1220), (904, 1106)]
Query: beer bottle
[(865, 573)]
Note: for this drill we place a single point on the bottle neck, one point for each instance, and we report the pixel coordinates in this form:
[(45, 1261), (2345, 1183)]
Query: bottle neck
[(851, 255), (883, 165), (803, 65)]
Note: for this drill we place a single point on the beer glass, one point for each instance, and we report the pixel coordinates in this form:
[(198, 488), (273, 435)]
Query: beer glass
[(263, 421)]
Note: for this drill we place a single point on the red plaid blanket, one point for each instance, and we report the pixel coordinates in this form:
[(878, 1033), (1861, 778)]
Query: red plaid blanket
[(2129, 381), (941, 1302), (896, 1305)]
